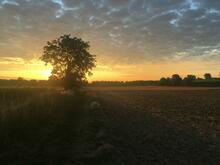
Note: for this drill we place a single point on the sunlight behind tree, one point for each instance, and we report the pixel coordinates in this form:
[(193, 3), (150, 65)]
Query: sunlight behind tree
[(71, 60)]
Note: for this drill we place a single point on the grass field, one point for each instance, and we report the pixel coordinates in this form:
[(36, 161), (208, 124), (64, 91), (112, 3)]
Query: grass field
[(119, 125)]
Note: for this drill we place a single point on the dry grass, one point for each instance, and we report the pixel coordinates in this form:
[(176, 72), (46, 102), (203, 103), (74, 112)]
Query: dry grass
[(43, 126)]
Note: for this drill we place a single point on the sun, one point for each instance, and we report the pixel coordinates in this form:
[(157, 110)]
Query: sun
[(46, 73)]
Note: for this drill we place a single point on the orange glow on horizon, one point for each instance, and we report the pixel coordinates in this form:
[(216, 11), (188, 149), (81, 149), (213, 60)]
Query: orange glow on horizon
[(35, 69)]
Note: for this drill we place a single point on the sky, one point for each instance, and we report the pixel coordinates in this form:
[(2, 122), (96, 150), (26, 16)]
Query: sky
[(132, 39)]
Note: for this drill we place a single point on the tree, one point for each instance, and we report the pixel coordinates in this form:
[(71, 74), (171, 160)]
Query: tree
[(20, 79), (189, 79), (176, 79), (70, 59), (207, 76), (164, 81)]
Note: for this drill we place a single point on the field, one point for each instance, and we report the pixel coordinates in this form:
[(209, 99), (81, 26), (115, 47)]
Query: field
[(110, 125)]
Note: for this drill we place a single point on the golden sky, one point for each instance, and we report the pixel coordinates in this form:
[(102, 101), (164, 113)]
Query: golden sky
[(35, 69), (133, 40)]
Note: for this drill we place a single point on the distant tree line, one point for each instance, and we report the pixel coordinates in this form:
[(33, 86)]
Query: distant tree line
[(21, 82), (124, 83), (53, 82), (190, 80), (174, 80)]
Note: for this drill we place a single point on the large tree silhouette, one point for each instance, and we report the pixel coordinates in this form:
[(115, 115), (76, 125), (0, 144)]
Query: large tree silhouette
[(70, 59)]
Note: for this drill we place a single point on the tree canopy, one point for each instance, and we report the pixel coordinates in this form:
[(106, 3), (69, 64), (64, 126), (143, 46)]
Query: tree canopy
[(207, 76), (176, 79), (71, 60), (189, 79)]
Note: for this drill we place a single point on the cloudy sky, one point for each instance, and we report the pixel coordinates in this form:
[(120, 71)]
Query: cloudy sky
[(133, 39)]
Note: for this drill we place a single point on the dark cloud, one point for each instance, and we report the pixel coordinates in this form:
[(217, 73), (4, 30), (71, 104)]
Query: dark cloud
[(127, 31)]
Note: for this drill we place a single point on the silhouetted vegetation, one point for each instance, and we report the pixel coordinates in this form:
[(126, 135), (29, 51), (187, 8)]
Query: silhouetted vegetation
[(207, 76), (70, 59), (190, 80), (124, 83), (39, 126), (176, 79), (24, 83)]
